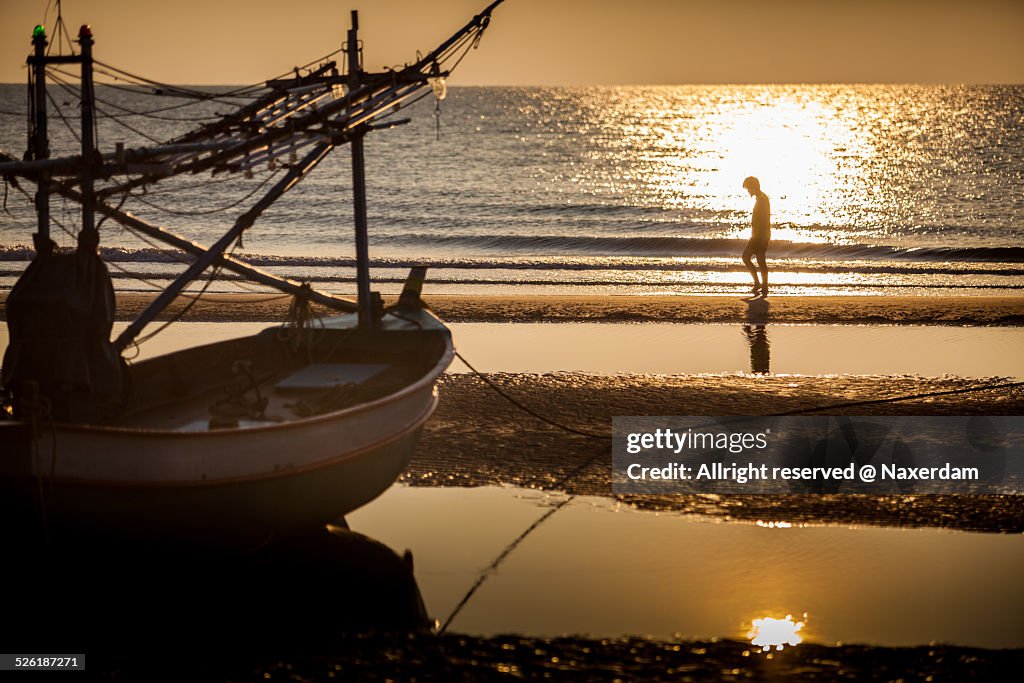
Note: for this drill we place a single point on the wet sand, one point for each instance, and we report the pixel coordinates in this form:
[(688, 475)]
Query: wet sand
[(478, 438), (726, 309), (858, 310), (452, 658), (463, 658)]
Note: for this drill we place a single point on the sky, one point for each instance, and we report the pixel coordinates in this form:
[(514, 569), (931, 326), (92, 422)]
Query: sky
[(552, 42)]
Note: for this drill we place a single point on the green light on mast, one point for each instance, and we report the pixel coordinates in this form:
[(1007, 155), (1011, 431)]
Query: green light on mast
[(39, 31)]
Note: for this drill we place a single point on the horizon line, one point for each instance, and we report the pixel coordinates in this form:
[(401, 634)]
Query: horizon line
[(607, 85)]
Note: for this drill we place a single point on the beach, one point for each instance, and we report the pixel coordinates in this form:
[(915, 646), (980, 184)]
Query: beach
[(845, 310)]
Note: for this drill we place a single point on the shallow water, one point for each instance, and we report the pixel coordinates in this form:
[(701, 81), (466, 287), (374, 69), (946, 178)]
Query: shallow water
[(601, 569), (680, 348)]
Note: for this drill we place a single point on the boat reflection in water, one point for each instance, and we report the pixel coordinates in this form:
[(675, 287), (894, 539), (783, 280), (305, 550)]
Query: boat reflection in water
[(126, 602)]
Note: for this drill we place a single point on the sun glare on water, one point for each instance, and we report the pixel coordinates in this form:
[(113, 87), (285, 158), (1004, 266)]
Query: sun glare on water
[(769, 632), (691, 148)]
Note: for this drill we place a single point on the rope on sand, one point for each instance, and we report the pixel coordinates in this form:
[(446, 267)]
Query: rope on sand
[(526, 409), (896, 399)]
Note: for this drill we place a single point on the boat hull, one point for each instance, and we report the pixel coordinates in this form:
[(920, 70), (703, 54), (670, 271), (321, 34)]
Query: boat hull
[(243, 512), (236, 487)]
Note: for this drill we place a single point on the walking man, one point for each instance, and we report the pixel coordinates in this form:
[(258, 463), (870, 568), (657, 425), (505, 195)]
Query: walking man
[(760, 235)]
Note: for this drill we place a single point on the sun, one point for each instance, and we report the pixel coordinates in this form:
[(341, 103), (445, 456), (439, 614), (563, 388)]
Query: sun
[(769, 632)]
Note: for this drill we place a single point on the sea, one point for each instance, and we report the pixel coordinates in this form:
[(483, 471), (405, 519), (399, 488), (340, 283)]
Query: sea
[(874, 189)]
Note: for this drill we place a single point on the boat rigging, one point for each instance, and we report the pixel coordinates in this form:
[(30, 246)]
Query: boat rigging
[(228, 443)]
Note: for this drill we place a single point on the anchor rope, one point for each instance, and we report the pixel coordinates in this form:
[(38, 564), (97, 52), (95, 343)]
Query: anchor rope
[(526, 409), (897, 399)]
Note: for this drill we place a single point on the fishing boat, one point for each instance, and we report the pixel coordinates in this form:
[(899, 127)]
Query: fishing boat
[(228, 443)]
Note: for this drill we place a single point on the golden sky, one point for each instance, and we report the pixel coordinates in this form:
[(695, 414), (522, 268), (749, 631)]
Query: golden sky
[(553, 42)]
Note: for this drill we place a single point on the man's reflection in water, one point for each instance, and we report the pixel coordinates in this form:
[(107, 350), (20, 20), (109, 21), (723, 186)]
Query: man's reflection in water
[(760, 349), (757, 337)]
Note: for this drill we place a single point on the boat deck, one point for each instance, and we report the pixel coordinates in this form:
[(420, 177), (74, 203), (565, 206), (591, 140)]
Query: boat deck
[(268, 379)]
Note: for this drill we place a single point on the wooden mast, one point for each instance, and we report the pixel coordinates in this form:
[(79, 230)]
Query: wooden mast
[(88, 138), (365, 300), (40, 144)]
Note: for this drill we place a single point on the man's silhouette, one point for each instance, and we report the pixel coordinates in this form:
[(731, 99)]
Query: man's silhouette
[(760, 235)]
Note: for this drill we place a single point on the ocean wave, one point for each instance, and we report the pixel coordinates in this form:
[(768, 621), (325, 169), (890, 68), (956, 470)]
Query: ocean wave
[(690, 246), (653, 281), (559, 252)]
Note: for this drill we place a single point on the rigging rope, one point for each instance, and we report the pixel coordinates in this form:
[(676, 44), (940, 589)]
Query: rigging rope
[(185, 309), (172, 90), (60, 114), (142, 89), (244, 91), (178, 256), (128, 112), (206, 212), (136, 343), (133, 129), (61, 33), (169, 189)]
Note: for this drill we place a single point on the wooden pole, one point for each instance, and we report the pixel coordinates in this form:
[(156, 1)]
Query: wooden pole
[(88, 138), (40, 139), (365, 299)]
